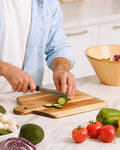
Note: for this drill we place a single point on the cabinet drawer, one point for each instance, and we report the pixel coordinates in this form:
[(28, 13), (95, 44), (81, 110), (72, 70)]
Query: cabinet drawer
[(109, 33), (80, 39)]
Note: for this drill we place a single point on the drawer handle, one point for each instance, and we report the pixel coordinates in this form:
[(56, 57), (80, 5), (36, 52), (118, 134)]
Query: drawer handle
[(77, 33), (116, 27)]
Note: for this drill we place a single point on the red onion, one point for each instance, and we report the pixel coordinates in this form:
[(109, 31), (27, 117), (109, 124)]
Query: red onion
[(16, 144), (116, 58)]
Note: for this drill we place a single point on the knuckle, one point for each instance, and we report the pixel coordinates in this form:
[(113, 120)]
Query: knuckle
[(19, 90), (24, 91), (63, 73), (72, 75), (14, 88), (15, 83), (20, 81), (25, 79), (33, 88)]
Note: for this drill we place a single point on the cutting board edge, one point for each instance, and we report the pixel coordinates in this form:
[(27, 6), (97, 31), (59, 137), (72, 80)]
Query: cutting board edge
[(91, 108)]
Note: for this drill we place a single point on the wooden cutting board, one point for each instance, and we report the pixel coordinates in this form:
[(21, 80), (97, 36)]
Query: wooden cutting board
[(34, 103)]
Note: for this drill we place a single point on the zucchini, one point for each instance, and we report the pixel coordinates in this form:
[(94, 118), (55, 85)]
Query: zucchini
[(48, 105), (59, 106), (54, 105), (62, 100)]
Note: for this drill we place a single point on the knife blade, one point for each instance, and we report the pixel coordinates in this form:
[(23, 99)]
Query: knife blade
[(40, 88)]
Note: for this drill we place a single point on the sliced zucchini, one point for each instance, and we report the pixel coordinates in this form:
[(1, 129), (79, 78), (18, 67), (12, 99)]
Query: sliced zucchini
[(59, 106), (48, 105), (62, 100), (54, 105)]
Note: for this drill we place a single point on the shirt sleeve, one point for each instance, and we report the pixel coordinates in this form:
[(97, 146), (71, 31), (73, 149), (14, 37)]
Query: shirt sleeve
[(57, 45)]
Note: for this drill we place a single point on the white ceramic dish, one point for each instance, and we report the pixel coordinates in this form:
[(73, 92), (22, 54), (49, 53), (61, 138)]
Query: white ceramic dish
[(13, 134)]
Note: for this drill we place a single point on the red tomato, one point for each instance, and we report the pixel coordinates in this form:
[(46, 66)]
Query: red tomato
[(107, 133), (79, 134), (93, 129)]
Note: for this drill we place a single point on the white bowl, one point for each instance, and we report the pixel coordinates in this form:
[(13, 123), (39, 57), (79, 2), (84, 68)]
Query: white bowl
[(13, 134)]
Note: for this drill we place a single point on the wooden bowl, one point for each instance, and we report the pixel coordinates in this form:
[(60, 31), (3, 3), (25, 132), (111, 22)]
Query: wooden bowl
[(108, 72)]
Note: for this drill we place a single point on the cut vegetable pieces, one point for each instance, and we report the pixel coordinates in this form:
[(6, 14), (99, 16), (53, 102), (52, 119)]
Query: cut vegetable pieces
[(61, 101)]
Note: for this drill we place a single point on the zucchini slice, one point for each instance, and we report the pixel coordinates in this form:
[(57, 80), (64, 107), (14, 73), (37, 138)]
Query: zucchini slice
[(62, 100), (48, 105), (59, 106), (54, 105)]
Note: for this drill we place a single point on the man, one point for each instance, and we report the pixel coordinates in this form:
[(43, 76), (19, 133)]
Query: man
[(28, 29)]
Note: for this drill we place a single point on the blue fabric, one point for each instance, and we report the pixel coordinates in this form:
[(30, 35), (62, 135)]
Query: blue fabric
[(46, 37)]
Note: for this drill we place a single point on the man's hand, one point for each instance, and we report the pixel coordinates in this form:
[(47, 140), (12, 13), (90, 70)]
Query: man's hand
[(17, 78), (63, 79), (65, 82)]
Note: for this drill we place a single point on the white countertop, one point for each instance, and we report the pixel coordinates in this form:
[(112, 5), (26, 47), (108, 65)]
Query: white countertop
[(58, 131), (90, 11)]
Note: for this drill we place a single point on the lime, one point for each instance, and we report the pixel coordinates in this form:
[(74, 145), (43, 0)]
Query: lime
[(32, 133), (2, 110)]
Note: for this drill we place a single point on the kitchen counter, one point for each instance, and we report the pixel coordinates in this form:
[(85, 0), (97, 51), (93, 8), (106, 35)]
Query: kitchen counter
[(58, 131), (87, 12)]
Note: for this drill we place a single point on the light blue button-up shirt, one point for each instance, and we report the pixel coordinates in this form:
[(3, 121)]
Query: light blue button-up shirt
[(46, 37)]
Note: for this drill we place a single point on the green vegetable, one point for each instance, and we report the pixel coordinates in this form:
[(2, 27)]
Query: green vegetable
[(62, 100), (106, 58), (48, 105), (59, 106), (2, 109), (108, 116), (3, 132), (54, 105)]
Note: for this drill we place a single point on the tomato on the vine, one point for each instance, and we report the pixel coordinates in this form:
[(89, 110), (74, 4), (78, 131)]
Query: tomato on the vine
[(107, 133), (93, 129), (79, 134)]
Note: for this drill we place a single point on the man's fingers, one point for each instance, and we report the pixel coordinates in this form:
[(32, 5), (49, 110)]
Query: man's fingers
[(32, 86), (74, 87), (25, 87), (71, 85), (57, 84), (19, 85), (63, 81)]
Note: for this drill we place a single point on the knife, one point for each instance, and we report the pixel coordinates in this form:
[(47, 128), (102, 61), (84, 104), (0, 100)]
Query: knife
[(40, 88)]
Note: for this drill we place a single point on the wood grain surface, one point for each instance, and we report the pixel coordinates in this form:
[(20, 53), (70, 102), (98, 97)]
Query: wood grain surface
[(34, 103)]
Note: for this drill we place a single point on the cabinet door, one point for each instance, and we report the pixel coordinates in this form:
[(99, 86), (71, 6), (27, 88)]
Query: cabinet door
[(80, 39), (109, 33)]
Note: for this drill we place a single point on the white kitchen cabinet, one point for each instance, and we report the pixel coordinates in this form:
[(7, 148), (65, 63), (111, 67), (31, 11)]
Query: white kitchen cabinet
[(80, 39), (109, 33)]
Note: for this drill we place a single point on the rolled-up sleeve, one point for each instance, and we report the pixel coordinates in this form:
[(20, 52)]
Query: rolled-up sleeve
[(57, 45)]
